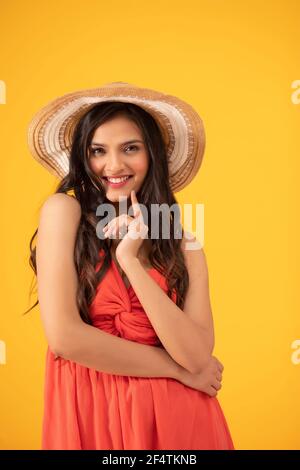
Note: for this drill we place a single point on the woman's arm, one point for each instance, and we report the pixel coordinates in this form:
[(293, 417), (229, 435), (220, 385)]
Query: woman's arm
[(68, 336), (188, 334), (96, 349)]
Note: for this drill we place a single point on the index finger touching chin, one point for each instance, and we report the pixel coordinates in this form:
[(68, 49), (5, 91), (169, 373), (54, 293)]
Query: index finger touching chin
[(135, 204)]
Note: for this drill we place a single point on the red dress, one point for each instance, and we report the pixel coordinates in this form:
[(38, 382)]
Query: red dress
[(88, 409)]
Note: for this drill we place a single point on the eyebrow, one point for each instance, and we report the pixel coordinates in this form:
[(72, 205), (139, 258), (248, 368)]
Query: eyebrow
[(124, 143)]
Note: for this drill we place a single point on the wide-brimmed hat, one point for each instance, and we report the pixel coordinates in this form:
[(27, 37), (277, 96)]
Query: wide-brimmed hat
[(50, 130)]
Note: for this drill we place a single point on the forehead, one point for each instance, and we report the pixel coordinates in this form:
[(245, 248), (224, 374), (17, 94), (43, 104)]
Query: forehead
[(117, 130)]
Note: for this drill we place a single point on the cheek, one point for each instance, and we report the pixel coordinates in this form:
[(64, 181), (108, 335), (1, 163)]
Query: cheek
[(140, 166), (95, 166)]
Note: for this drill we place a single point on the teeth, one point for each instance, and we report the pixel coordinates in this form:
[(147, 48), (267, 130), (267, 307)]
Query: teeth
[(118, 180)]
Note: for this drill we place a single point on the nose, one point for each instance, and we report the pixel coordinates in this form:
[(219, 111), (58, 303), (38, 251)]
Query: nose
[(114, 162)]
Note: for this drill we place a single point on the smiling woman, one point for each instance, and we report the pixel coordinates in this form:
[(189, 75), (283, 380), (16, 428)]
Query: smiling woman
[(128, 320), (119, 165)]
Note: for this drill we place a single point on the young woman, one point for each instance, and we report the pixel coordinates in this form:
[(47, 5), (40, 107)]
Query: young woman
[(127, 317)]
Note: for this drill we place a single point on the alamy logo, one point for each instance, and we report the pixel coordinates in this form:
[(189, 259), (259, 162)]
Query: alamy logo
[(160, 215), (2, 92), (2, 352), (296, 354), (296, 94)]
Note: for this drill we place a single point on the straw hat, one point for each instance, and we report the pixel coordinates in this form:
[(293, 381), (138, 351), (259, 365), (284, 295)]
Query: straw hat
[(50, 130)]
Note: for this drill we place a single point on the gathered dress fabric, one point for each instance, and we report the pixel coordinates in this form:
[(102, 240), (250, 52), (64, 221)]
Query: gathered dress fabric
[(92, 410)]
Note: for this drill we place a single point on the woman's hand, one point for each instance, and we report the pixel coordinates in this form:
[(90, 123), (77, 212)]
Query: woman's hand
[(130, 244), (207, 381)]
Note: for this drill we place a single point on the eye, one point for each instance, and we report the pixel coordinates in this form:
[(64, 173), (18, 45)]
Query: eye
[(132, 146), (99, 149), (93, 151)]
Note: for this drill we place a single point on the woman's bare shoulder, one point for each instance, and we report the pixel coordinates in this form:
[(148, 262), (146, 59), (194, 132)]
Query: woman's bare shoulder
[(59, 220), (61, 205)]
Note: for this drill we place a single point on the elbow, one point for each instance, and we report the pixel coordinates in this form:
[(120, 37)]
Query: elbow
[(58, 348), (197, 366), (199, 362), (61, 345), (195, 360)]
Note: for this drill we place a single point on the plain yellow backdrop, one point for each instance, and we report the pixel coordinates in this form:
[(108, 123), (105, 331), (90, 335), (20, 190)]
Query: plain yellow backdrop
[(235, 62)]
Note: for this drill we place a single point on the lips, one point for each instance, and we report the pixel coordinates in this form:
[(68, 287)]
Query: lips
[(118, 176), (117, 184)]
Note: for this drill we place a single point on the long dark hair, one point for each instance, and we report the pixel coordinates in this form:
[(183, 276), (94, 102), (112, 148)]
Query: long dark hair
[(165, 254)]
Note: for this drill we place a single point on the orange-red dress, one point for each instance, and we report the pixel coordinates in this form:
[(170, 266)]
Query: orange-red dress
[(88, 409)]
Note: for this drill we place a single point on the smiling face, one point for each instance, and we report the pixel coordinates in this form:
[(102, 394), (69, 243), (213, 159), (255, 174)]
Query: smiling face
[(118, 155)]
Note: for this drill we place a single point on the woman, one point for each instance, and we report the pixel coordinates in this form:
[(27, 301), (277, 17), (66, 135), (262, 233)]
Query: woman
[(127, 317)]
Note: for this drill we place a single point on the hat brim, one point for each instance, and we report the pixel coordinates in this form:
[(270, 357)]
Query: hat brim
[(51, 129)]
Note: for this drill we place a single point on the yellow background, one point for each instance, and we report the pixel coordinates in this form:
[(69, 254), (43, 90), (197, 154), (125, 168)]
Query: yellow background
[(235, 62)]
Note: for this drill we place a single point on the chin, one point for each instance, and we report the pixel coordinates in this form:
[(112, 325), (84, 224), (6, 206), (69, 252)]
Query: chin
[(115, 197)]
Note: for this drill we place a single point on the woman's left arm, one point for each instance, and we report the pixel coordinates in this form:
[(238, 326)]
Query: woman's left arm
[(188, 334)]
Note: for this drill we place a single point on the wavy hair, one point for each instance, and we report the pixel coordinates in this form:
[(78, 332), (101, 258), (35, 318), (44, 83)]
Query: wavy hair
[(165, 254)]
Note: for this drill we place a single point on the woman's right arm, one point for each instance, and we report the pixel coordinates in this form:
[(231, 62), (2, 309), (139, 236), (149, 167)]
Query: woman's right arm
[(67, 335)]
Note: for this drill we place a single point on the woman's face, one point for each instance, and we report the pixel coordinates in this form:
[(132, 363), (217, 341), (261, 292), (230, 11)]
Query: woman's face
[(117, 151)]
